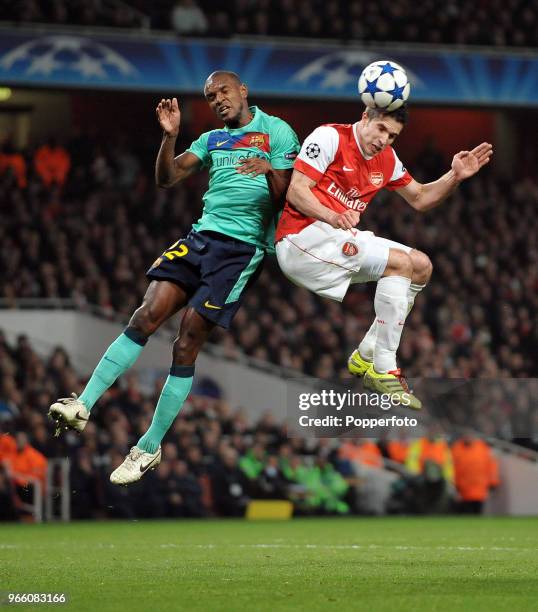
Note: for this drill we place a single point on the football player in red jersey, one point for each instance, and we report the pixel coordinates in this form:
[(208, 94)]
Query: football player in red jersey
[(337, 173)]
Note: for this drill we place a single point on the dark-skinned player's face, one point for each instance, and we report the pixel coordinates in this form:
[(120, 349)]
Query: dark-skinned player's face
[(226, 98)]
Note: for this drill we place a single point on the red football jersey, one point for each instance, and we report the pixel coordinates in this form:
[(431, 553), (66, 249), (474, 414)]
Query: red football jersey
[(345, 177)]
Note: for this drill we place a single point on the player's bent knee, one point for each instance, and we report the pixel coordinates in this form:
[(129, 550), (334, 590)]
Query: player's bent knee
[(185, 350), (422, 266), (146, 319), (399, 263)]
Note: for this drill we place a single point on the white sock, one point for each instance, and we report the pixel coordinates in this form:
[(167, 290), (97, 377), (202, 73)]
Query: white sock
[(390, 308), (367, 345), (412, 293)]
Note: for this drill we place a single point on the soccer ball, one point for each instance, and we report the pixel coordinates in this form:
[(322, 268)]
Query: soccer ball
[(384, 84)]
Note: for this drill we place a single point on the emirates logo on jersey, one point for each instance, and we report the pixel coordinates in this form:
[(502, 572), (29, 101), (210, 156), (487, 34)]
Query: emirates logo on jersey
[(349, 249), (351, 199), (376, 178)]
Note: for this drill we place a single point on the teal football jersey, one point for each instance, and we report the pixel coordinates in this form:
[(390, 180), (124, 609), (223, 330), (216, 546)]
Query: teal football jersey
[(235, 204)]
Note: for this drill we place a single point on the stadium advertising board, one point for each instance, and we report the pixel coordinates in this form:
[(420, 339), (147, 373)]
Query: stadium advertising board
[(53, 59)]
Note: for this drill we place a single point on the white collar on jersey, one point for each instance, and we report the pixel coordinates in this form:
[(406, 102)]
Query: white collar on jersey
[(356, 134)]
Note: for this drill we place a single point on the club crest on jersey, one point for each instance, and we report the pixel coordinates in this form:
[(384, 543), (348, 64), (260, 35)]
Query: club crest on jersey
[(349, 249), (376, 178), (257, 140)]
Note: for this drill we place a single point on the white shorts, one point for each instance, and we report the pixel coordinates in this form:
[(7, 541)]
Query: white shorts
[(326, 260)]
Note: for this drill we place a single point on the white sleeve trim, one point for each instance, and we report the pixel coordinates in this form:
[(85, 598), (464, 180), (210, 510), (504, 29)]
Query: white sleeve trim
[(399, 169), (320, 147)]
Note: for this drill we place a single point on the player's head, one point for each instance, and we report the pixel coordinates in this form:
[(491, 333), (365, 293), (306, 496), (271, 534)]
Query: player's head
[(379, 128), (227, 97)]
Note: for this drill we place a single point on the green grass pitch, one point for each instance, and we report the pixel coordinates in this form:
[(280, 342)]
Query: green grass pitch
[(305, 564)]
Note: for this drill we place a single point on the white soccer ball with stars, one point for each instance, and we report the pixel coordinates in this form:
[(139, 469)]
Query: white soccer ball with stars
[(384, 84)]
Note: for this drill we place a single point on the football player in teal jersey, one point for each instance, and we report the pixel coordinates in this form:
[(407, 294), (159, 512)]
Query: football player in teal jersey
[(250, 162)]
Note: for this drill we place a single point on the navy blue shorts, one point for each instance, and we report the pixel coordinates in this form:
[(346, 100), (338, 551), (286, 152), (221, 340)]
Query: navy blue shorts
[(215, 270)]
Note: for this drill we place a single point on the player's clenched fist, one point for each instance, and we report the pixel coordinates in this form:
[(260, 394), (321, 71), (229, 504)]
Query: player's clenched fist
[(346, 220), (169, 116)]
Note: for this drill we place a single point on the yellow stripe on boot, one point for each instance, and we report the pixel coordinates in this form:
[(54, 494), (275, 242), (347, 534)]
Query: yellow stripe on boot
[(394, 384), (357, 365)]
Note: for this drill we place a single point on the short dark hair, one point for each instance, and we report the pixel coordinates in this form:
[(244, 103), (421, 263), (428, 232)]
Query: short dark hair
[(401, 114), (233, 75)]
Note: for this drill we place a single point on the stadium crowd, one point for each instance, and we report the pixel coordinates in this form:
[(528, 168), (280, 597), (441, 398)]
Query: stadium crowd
[(60, 12), (214, 459), (84, 222), (494, 23)]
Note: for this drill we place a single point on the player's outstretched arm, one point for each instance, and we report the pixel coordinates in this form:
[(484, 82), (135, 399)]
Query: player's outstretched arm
[(465, 164), (300, 196), (169, 169)]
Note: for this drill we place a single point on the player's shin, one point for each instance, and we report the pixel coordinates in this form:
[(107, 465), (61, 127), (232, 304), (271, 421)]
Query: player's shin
[(367, 345), (174, 393), (118, 358), (390, 308)]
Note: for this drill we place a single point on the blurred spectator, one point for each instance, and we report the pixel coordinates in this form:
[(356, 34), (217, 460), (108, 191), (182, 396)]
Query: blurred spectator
[(118, 501), (430, 161), (252, 465), (430, 460), (188, 18), (8, 447), (271, 483), (476, 473), (229, 485), (12, 162), (52, 163), (24, 466), (26, 463), (8, 505), (432, 456), (331, 487), (361, 451), (84, 485), (187, 492), (220, 24), (397, 450), (321, 488)]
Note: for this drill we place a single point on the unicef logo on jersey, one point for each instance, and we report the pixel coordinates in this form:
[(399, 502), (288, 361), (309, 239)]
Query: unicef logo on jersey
[(313, 150), (222, 161)]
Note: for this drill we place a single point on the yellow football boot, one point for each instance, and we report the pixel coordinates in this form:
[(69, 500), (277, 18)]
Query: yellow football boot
[(394, 384), (357, 365)]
